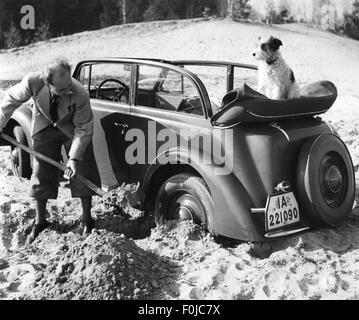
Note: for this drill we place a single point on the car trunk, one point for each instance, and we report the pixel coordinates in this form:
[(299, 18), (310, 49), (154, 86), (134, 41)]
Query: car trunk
[(263, 155), (266, 154), (269, 134)]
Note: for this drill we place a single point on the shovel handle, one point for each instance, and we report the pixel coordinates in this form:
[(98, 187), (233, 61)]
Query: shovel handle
[(56, 164)]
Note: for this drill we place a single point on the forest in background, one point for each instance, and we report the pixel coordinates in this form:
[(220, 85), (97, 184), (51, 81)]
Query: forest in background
[(63, 17)]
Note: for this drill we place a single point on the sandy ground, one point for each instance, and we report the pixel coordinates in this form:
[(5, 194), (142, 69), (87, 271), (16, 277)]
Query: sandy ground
[(126, 257)]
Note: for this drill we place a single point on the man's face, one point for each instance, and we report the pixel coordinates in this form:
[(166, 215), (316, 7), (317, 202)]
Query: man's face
[(61, 84)]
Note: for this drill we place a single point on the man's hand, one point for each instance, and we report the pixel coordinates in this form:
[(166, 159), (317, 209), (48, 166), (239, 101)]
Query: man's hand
[(71, 168)]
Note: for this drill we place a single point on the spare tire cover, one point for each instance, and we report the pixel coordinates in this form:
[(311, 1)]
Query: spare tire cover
[(325, 180)]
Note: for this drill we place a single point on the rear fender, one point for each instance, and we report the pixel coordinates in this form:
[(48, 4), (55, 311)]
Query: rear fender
[(231, 215), (21, 116)]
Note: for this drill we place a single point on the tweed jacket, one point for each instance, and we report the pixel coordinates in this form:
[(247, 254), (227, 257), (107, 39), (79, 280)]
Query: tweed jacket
[(74, 111)]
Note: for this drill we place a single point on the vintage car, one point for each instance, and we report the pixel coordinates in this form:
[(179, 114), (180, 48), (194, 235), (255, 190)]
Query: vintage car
[(202, 144)]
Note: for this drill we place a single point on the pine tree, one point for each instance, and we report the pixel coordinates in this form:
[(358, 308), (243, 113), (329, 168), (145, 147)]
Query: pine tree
[(356, 8), (160, 10), (12, 37), (351, 22), (2, 16), (43, 32), (242, 9)]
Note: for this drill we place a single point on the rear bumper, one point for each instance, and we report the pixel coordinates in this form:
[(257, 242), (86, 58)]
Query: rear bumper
[(283, 233)]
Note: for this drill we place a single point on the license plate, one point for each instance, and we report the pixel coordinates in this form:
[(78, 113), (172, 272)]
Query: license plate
[(281, 210)]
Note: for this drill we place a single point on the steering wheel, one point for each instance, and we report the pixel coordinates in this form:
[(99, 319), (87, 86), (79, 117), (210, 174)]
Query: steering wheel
[(115, 98)]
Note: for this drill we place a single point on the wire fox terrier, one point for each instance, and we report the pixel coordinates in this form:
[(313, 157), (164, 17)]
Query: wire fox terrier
[(275, 78)]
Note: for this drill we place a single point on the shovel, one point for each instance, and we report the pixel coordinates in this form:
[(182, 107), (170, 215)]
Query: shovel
[(58, 165)]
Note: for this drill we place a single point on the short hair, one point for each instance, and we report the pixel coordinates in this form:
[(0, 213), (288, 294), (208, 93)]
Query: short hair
[(60, 66)]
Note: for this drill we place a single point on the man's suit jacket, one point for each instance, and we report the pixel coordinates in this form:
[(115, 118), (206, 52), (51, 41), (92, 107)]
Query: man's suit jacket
[(74, 110)]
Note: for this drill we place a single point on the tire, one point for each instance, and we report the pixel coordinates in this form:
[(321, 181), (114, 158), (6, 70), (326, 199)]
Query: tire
[(20, 158), (325, 180), (184, 197)]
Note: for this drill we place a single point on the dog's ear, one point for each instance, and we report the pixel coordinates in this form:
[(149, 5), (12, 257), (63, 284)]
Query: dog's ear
[(275, 43)]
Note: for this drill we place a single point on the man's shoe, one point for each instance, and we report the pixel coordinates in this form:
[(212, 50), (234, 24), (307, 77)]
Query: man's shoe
[(36, 230), (88, 226)]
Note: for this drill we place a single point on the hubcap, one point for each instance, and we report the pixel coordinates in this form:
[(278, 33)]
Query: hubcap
[(183, 205), (333, 179), (184, 213)]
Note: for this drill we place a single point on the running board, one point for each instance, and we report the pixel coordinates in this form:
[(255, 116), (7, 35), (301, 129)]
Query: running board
[(276, 234)]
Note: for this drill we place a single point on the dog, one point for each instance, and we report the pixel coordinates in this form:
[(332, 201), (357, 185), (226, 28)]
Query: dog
[(276, 79)]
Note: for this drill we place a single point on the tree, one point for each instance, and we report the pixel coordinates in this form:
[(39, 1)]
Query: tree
[(230, 9), (12, 37), (135, 10), (270, 11), (277, 13), (284, 12), (351, 22), (43, 32), (242, 9), (110, 14), (2, 16), (221, 6), (161, 10), (63, 17)]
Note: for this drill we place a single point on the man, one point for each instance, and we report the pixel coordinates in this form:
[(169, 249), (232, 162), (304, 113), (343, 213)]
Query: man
[(61, 115)]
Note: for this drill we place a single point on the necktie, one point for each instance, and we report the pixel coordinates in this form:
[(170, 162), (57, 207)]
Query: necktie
[(53, 107)]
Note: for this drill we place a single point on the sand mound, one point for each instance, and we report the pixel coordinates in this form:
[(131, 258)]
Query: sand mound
[(103, 266)]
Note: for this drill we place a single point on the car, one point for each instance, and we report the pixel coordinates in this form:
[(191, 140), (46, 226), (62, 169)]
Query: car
[(202, 144)]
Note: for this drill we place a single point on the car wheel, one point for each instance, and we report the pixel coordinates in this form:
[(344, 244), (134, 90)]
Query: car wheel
[(20, 158), (184, 197), (325, 180)]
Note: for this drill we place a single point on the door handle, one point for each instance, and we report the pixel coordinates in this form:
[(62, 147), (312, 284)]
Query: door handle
[(122, 126)]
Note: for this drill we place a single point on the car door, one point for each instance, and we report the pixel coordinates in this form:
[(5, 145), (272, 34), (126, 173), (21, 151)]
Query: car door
[(167, 111), (109, 86)]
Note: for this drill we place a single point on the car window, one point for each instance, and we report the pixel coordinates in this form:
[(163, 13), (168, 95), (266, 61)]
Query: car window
[(84, 76), (166, 89), (245, 75), (111, 82), (172, 83), (214, 79), (148, 77)]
